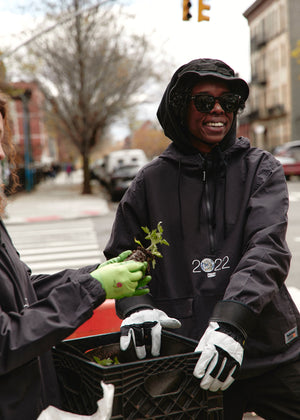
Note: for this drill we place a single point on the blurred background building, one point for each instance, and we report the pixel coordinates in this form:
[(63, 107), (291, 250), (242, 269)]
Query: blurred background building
[(273, 110)]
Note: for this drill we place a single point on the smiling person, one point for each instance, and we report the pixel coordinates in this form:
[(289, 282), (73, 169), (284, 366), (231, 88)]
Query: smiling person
[(223, 205), (38, 311)]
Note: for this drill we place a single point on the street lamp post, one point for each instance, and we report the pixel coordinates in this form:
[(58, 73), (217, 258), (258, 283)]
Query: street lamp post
[(25, 98)]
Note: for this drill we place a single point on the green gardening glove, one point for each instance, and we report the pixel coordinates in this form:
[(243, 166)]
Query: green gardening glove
[(121, 257), (122, 279)]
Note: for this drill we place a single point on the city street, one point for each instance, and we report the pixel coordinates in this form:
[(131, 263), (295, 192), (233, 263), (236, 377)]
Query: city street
[(63, 237)]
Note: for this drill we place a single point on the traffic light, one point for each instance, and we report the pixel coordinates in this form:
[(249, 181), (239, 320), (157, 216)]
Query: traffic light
[(202, 7), (186, 10)]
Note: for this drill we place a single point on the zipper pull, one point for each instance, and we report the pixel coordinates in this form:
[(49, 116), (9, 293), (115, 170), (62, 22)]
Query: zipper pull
[(204, 175), (26, 304)]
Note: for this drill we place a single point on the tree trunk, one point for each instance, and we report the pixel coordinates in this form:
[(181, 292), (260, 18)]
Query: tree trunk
[(86, 186)]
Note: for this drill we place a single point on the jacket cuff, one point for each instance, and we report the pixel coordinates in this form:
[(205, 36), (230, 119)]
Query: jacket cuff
[(236, 314), (94, 289), (126, 306)]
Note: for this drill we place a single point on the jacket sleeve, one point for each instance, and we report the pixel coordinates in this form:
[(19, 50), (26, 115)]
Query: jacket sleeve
[(44, 283), (126, 306), (265, 260), (44, 323), (130, 216)]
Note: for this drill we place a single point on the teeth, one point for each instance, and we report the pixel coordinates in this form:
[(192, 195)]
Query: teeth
[(215, 124)]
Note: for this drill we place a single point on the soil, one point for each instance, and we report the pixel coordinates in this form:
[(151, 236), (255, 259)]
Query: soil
[(141, 254)]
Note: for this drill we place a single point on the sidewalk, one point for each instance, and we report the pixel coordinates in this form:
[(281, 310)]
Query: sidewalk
[(55, 199)]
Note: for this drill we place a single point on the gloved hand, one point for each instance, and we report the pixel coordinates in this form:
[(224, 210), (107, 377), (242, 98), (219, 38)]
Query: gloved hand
[(120, 258), (122, 279), (144, 327), (222, 354)]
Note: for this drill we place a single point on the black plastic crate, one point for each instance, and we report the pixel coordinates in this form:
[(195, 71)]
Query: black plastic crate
[(154, 388)]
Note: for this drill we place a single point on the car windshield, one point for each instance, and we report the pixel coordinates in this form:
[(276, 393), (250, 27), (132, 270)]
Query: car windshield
[(291, 150), (127, 170)]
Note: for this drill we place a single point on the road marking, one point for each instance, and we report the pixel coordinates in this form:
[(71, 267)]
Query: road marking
[(50, 247), (294, 196), (295, 293)]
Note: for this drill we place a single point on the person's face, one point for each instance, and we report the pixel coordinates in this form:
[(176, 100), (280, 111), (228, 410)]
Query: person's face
[(2, 154), (208, 128)]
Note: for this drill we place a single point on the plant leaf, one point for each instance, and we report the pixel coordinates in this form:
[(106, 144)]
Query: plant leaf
[(138, 242)]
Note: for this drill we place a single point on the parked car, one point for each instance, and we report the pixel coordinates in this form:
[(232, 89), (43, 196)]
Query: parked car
[(288, 155), (120, 180), (120, 158), (97, 170), (119, 168)]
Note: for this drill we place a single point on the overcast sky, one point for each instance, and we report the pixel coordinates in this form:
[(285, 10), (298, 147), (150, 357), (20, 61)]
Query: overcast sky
[(224, 36)]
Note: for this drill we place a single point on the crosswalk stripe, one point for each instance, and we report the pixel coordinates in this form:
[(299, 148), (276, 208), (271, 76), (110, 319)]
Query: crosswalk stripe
[(56, 249), (60, 256), (50, 268), (50, 247), (294, 196)]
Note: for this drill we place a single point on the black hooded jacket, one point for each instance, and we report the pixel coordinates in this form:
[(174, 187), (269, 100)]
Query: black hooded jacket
[(225, 218), (36, 313)]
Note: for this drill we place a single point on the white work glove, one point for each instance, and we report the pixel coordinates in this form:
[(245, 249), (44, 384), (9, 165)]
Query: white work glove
[(221, 356), (144, 327)]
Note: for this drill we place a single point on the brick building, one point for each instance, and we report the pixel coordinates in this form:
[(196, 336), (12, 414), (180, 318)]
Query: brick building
[(27, 112)]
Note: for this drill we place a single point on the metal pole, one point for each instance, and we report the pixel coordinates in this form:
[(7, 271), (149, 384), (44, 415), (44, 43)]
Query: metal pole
[(25, 97)]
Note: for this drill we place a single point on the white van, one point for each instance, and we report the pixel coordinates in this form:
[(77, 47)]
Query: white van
[(124, 157), (120, 167)]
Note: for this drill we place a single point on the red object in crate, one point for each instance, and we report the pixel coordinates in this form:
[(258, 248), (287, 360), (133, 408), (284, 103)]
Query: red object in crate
[(104, 320)]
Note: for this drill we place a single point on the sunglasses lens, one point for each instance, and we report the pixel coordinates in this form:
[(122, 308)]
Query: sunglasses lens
[(205, 103), (230, 103)]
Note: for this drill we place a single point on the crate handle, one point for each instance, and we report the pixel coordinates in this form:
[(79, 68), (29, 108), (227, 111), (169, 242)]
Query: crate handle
[(165, 383)]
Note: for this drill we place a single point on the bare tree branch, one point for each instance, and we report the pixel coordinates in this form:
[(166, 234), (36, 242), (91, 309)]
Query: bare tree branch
[(91, 70)]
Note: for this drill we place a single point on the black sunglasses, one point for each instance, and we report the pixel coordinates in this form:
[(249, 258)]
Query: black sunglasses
[(203, 102)]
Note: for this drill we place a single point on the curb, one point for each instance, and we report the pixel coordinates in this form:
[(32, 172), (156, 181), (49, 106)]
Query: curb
[(52, 218)]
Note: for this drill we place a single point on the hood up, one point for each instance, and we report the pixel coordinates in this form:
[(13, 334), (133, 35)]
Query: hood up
[(173, 107)]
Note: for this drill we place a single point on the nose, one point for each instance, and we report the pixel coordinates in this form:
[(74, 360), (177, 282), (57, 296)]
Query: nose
[(217, 107)]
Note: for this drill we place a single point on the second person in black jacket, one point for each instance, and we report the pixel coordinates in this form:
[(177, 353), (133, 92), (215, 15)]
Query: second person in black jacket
[(223, 206)]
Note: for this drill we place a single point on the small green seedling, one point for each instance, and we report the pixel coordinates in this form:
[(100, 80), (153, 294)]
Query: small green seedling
[(106, 362), (155, 237)]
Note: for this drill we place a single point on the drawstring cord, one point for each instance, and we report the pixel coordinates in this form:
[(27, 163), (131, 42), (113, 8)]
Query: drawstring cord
[(217, 167), (220, 172), (179, 199)]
